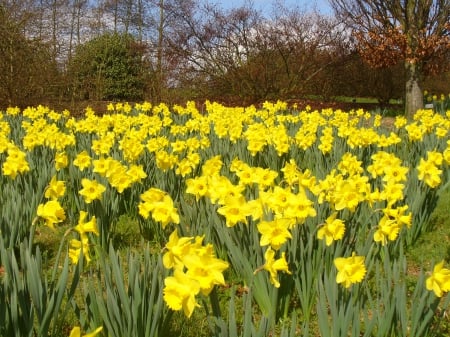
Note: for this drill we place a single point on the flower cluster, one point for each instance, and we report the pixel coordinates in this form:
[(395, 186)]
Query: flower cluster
[(429, 169), (195, 270), (272, 174), (81, 246), (15, 163), (160, 205), (52, 211)]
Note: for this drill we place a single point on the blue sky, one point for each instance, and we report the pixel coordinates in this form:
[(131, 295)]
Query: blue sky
[(266, 5)]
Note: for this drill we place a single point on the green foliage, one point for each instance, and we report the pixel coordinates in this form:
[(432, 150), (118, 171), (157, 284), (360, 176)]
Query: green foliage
[(125, 295), (109, 67), (31, 303)]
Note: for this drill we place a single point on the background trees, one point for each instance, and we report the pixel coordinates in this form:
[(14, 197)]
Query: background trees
[(26, 67), (416, 33), (57, 51)]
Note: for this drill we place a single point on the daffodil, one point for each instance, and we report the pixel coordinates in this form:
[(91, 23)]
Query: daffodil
[(120, 179), (234, 210), (165, 161), (299, 207), (350, 269), (179, 292), (76, 332), (165, 212), (82, 160), (392, 192), (83, 227), (429, 173), (399, 215), (55, 189), (273, 266), (15, 162), (220, 188), (291, 172), (274, 233), (387, 229), (350, 165), (205, 268), (212, 166), (176, 248), (439, 280), (51, 212), (78, 248), (195, 269), (184, 167), (61, 160), (160, 205), (101, 165), (332, 230), (347, 195), (197, 186), (136, 173), (395, 173), (148, 200), (92, 190)]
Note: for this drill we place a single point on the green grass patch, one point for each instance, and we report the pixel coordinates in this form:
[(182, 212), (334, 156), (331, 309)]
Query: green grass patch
[(434, 245)]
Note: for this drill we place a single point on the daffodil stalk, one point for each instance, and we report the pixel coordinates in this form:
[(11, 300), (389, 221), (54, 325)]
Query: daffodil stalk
[(47, 300), (134, 304)]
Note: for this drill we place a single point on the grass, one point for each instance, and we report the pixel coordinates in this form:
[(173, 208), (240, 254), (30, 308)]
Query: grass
[(392, 109), (434, 246), (354, 99), (364, 100)]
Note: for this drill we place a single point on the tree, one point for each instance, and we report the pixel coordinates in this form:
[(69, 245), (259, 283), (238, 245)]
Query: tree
[(109, 67), (305, 45), (416, 33), (27, 68), (239, 55)]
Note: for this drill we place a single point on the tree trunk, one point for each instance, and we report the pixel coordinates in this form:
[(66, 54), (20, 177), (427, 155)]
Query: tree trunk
[(413, 93), (159, 55)]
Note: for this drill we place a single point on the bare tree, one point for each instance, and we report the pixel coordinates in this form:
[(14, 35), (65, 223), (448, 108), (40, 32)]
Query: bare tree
[(305, 44), (415, 32), (242, 54), (79, 8)]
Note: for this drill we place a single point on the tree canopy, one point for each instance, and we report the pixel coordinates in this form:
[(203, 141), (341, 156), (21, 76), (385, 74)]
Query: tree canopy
[(110, 66)]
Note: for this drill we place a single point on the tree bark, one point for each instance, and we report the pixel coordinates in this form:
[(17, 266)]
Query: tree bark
[(159, 53), (413, 92)]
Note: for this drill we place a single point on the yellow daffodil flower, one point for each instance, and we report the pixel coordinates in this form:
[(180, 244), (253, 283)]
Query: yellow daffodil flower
[(274, 266), (332, 230), (274, 233), (55, 189), (92, 190), (76, 332), (51, 212), (439, 281), (350, 269)]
